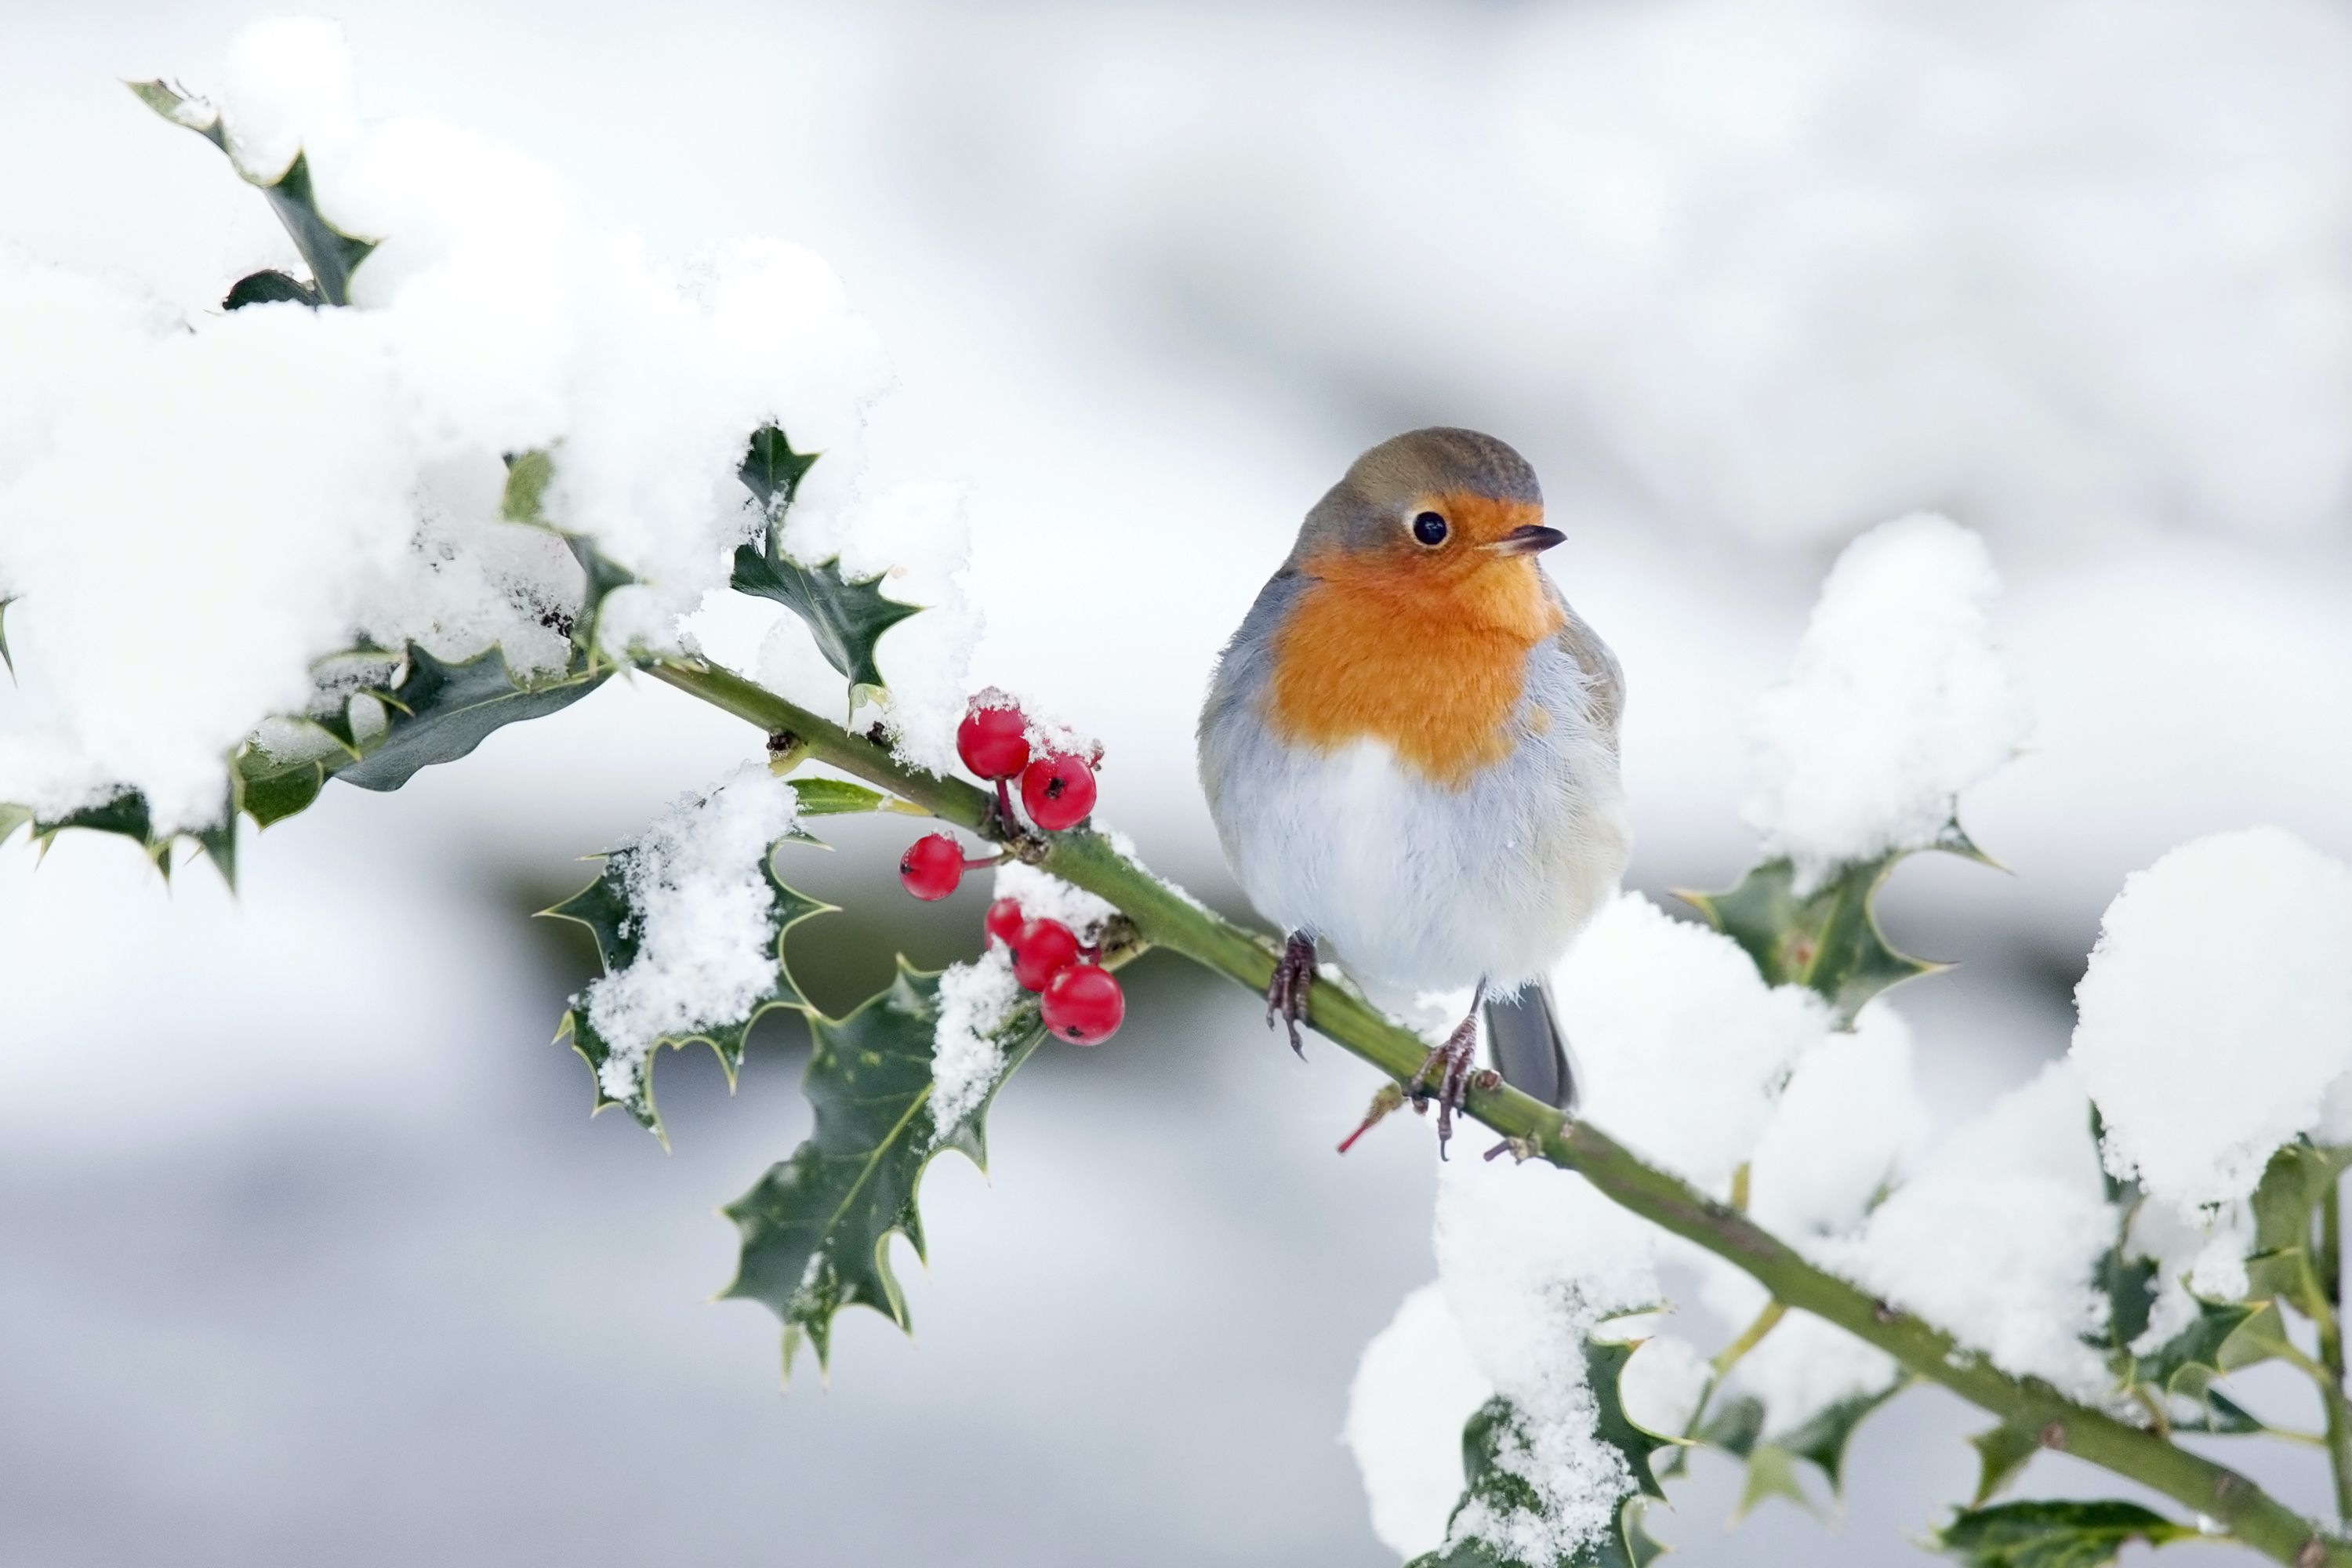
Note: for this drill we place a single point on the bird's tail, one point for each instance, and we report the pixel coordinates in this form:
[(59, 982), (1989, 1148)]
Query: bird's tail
[(1529, 1051)]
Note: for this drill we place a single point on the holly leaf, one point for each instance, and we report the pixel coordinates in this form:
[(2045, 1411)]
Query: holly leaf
[(2002, 1453), (602, 906), (837, 797), (772, 471), (1604, 1368), (329, 253), (1736, 1428), (6, 657), (270, 287), (127, 815), (441, 711), (846, 615), (1496, 1436), (2057, 1533), (1828, 938), (817, 1228), (2225, 1336), (1822, 1438)]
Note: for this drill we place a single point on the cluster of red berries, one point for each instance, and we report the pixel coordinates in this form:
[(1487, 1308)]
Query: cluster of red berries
[(1080, 1000)]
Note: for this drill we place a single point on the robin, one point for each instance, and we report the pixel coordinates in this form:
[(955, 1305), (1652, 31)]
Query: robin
[(1409, 749)]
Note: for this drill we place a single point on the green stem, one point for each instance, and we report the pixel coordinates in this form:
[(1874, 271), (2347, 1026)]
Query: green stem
[(2330, 1262), (1750, 1338), (1164, 916)]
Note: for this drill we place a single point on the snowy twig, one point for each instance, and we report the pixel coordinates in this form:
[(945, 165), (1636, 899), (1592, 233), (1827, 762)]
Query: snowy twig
[(1165, 917)]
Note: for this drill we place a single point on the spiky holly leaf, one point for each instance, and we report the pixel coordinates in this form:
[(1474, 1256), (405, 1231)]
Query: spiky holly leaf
[(2002, 1453), (1827, 938), (846, 615), (816, 1227), (270, 287), (772, 471), (2057, 1533), (329, 253), (602, 906), (1822, 1438), (1496, 1436), (127, 815), (1604, 1368), (441, 711), (2225, 1336), (1736, 1428)]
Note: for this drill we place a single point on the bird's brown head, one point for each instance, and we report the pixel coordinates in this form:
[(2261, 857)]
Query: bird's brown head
[(1421, 602), (1442, 522)]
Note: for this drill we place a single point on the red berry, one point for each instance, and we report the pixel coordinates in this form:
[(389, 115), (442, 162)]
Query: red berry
[(931, 867), (1058, 791), (1040, 950), (993, 741), (1004, 921), (1084, 1005)]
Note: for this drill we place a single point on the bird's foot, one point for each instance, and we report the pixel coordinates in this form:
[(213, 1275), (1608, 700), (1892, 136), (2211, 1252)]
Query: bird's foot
[(1454, 1063), (1286, 993)]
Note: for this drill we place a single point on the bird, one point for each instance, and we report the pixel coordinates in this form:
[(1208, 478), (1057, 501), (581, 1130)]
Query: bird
[(1410, 751)]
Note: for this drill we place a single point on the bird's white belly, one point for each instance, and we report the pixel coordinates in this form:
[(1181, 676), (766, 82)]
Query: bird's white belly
[(1422, 886)]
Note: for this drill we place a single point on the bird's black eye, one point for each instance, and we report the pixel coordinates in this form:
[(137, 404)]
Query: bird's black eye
[(1430, 529)]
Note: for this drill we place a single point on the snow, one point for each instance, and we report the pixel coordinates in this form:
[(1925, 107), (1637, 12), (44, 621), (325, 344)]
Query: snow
[(2214, 1022), (302, 478), (1996, 1236), (976, 1001), (1681, 1044), (1532, 1260), (1415, 1389), (704, 916), (1848, 1127), (287, 83), (1044, 896), (1663, 1383), (1897, 701)]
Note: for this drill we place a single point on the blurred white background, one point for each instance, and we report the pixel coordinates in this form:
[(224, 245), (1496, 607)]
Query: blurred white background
[(308, 1251)]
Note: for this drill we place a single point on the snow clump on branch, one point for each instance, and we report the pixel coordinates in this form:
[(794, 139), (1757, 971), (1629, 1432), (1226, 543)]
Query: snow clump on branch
[(2215, 1019), (254, 489), (1898, 700)]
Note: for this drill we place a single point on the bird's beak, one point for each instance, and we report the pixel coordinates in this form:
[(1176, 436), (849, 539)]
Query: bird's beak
[(1525, 541)]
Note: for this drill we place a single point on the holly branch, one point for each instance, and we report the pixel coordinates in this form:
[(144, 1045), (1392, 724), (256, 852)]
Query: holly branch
[(1165, 917)]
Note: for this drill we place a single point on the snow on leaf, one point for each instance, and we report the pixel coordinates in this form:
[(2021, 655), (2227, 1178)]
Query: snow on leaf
[(816, 1227), (605, 908), (2055, 1533), (523, 501), (1496, 1491), (331, 254), (772, 470)]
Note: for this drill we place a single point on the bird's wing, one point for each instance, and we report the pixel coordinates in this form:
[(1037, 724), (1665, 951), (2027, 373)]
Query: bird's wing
[(1604, 681)]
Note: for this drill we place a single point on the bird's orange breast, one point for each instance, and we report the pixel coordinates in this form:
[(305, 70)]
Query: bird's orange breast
[(1429, 667)]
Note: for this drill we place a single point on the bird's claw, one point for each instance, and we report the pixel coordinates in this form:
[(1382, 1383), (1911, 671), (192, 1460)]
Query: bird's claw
[(1286, 993), (1456, 1064)]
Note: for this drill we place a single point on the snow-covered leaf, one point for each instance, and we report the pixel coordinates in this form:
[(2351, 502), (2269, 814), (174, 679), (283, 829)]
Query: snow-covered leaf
[(604, 908), (1496, 1429), (2056, 1533), (524, 502), (817, 1228), (772, 470), (331, 254)]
